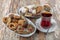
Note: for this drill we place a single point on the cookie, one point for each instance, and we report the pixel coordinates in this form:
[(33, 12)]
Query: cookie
[(5, 19), (38, 9), (47, 8), (13, 26)]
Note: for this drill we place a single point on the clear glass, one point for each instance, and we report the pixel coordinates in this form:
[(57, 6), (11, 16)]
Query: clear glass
[(46, 22)]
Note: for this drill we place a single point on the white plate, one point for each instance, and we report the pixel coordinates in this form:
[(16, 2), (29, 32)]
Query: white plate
[(29, 22), (52, 28)]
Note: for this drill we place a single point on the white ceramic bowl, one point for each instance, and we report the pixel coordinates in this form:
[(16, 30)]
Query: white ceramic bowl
[(29, 22)]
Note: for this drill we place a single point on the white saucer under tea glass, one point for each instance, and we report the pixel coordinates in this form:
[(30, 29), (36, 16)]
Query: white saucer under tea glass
[(51, 29)]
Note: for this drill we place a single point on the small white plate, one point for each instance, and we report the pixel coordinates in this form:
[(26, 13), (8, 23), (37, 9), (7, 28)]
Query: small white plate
[(52, 28)]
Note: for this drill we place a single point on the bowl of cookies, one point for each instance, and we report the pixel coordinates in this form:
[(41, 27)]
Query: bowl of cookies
[(19, 24)]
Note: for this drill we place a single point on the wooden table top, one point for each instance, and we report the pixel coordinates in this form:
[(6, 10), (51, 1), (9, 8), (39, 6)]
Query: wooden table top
[(11, 6)]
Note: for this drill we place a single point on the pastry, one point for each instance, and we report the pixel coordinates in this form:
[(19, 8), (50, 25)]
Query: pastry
[(13, 26), (16, 17), (30, 28), (28, 14), (38, 9), (5, 19), (27, 9), (47, 8), (20, 30), (21, 22), (8, 20), (34, 11), (11, 16), (14, 20)]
